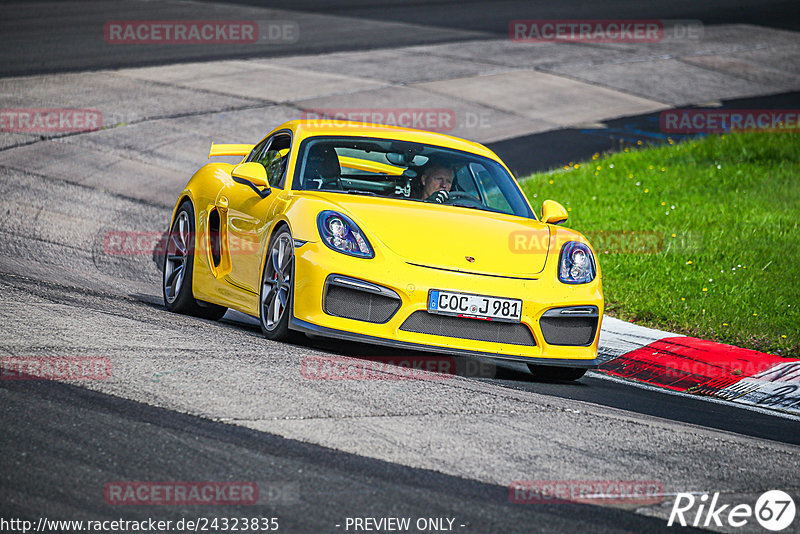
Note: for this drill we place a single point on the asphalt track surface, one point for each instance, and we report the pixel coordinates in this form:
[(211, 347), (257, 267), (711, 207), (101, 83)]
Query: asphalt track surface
[(195, 400), (307, 487), (44, 37)]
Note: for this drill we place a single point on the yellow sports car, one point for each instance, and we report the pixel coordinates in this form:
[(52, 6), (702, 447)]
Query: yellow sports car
[(385, 235)]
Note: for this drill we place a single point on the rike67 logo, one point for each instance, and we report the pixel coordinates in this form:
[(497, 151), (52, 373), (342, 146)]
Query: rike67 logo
[(774, 510)]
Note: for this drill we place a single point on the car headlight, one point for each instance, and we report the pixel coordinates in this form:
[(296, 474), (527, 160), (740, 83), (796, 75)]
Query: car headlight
[(341, 234), (576, 264)]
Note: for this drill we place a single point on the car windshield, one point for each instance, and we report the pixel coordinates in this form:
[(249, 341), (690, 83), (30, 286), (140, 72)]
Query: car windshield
[(407, 171)]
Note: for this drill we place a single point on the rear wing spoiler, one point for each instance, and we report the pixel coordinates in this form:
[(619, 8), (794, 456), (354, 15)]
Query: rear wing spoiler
[(229, 150)]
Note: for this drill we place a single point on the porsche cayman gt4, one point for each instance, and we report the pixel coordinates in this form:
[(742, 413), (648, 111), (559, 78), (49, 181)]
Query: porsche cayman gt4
[(385, 235)]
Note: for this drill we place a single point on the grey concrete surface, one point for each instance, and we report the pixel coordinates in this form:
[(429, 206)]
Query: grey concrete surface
[(117, 98), (496, 89), (120, 98), (537, 95), (472, 120), (716, 39), (253, 79), (671, 81), (771, 66), (504, 52), (406, 65)]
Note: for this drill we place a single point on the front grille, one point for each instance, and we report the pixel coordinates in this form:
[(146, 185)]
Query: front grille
[(423, 322), (559, 328), (360, 305)]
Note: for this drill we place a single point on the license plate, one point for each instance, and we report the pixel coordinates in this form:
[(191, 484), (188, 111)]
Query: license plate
[(474, 306)]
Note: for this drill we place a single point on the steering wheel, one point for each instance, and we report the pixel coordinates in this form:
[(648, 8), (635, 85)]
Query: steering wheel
[(459, 196)]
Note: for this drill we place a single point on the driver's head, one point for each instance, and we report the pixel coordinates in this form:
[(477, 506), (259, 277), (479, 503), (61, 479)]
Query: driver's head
[(437, 176)]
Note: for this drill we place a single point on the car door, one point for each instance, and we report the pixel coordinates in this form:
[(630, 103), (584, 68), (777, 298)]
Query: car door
[(249, 212)]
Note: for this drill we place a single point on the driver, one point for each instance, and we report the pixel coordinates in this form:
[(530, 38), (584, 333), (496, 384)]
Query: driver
[(436, 181)]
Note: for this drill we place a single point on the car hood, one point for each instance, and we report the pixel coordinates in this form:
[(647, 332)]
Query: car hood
[(448, 236)]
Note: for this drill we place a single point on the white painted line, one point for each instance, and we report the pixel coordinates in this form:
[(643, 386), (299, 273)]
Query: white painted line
[(643, 385), (618, 337)]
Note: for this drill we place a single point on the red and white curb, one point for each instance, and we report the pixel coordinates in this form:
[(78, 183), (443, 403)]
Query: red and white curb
[(698, 367)]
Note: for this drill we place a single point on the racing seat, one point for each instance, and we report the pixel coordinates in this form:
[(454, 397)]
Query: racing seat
[(322, 167)]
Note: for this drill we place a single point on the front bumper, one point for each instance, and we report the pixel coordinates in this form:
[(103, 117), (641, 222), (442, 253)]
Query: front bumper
[(316, 265)]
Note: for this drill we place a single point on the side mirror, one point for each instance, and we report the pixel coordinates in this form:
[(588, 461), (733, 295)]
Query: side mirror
[(254, 175), (252, 172), (553, 212)]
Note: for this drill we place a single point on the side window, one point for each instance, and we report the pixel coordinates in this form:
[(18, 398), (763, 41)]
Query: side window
[(275, 158), (466, 183), (257, 150), (493, 196)]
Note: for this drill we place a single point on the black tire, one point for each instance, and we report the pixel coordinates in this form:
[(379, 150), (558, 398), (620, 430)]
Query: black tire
[(552, 372), (277, 287), (176, 282)]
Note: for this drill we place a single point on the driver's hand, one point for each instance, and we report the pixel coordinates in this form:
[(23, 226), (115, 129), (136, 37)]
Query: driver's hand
[(440, 197)]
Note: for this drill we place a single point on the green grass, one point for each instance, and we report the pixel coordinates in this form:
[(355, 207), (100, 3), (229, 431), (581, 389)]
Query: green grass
[(710, 243)]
